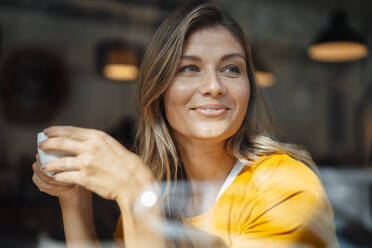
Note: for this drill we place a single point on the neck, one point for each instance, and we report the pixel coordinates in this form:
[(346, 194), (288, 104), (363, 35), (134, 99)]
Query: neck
[(205, 160)]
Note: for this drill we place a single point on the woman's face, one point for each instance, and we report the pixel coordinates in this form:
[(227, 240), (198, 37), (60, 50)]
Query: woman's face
[(208, 97)]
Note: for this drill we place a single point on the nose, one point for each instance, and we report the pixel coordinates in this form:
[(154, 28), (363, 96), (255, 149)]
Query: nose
[(212, 85)]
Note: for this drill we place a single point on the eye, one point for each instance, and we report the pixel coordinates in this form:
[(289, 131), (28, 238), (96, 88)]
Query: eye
[(189, 69), (231, 70)]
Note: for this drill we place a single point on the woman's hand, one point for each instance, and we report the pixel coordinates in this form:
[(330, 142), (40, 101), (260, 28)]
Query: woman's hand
[(46, 184), (100, 163), (76, 207)]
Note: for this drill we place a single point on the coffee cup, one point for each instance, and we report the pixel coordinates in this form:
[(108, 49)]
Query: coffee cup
[(49, 156)]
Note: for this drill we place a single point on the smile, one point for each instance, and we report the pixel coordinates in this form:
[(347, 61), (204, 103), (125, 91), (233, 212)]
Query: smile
[(211, 110)]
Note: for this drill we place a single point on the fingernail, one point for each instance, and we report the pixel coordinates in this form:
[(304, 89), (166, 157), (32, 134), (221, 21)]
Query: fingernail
[(45, 131), (43, 167)]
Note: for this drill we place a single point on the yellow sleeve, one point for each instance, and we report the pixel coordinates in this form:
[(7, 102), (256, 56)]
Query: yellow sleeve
[(288, 208)]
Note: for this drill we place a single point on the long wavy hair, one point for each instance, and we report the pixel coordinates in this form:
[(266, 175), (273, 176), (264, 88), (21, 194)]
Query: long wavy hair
[(154, 142)]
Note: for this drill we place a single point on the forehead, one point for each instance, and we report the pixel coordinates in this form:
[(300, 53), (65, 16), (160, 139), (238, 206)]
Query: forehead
[(212, 39)]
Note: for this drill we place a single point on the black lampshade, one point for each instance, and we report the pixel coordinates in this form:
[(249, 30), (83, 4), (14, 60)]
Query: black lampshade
[(339, 42), (118, 60), (265, 78)]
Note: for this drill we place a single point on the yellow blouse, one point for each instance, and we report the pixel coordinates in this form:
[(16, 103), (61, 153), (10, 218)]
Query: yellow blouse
[(276, 202)]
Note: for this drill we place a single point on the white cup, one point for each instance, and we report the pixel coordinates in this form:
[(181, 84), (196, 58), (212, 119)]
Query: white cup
[(49, 156)]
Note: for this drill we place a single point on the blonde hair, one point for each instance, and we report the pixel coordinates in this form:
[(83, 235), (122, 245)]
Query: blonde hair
[(154, 142)]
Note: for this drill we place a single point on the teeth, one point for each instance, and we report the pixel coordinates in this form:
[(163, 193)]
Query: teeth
[(211, 109)]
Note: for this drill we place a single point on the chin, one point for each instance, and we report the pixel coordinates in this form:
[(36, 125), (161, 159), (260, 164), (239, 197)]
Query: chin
[(214, 131), (212, 134)]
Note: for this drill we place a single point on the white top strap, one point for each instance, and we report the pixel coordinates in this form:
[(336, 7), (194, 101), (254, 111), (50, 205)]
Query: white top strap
[(230, 178)]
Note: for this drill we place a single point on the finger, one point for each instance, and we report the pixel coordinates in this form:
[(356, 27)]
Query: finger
[(77, 133), (63, 164), (70, 177), (45, 179), (37, 159), (82, 134), (38, 171), (64, 144), (39, 182), (35, 165)]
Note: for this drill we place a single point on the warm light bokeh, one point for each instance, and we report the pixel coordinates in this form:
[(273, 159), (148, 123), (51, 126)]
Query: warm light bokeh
[(337, 51), (121, 72), (265, 79)]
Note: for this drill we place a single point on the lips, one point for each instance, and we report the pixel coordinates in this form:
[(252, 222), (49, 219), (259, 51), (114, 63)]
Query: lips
[(211, 110), (211, 107)]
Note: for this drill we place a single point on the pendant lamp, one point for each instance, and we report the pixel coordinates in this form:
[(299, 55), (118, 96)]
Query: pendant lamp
[(264, 77), (339, 42), (118, 61)]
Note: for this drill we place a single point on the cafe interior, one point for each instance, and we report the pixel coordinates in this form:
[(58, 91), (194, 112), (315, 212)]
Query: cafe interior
[(76, 62)]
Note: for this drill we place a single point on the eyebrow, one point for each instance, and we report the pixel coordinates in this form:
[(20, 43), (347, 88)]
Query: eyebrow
[(225, 57), (232, 55)]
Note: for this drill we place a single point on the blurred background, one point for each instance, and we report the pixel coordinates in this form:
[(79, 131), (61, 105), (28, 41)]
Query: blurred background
[(75, 62)]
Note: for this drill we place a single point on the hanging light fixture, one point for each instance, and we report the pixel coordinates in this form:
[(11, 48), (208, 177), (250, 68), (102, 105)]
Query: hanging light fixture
[(338, 42), (265, 78), (118, 61)]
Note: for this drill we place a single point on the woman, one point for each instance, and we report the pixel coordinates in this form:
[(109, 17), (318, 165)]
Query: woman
[(199, 121)]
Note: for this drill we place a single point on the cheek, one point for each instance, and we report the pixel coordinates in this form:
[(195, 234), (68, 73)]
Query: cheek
[(241, 98), (241, 94), (174, 93), (175, 102)]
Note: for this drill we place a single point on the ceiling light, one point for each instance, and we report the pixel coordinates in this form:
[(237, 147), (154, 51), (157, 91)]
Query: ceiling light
[(339, 42), (264, 77), (118, 61)]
